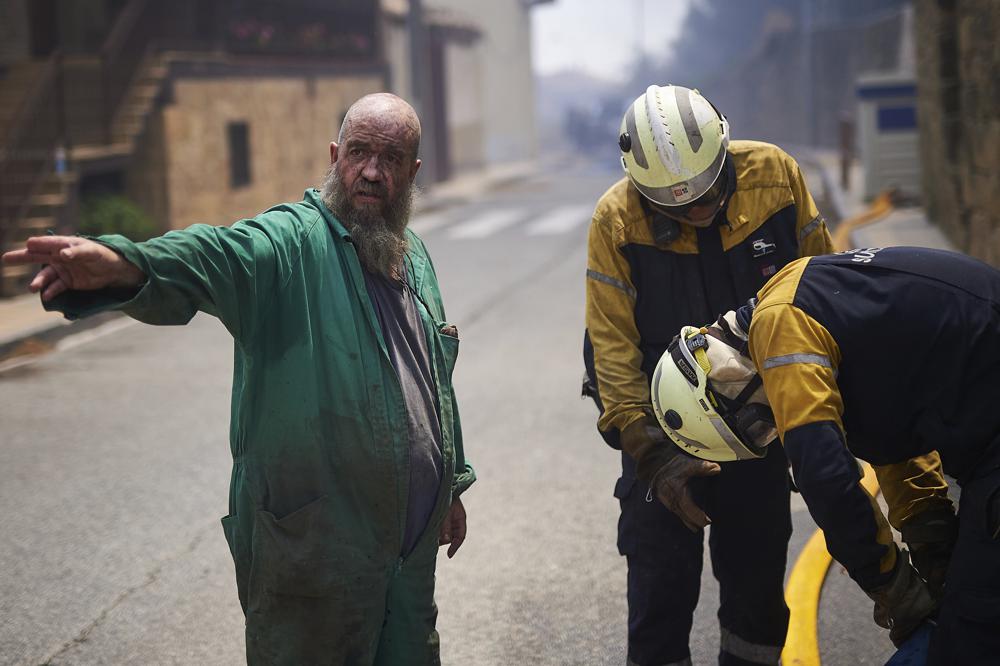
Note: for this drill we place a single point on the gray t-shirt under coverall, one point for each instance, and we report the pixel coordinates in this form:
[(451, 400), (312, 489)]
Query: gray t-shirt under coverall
[(403, 332)]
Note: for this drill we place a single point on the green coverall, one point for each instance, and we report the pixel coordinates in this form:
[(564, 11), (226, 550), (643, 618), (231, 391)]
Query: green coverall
[(318, 432)]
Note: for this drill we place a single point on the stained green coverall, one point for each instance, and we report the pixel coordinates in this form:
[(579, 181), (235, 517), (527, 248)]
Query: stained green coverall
[(318, 432)]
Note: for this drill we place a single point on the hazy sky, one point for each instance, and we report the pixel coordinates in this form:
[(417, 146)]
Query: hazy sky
[(600, 36)]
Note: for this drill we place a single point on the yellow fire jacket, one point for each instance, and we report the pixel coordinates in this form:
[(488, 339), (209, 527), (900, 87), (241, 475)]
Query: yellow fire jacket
[(643, 285)]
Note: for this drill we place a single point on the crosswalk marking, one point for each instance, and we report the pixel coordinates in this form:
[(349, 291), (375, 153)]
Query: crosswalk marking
[(429, 222), (486, 224), (560, 220)]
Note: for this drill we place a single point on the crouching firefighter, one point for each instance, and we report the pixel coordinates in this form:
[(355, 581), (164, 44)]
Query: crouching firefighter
[(697, 225), (887, 355)]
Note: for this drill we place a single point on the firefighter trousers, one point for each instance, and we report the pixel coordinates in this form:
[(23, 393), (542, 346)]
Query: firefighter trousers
[(968, 624), (748, 503)]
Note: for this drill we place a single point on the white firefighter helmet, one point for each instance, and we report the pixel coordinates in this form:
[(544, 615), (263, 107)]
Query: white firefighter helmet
[(673, 144), (709, 399)]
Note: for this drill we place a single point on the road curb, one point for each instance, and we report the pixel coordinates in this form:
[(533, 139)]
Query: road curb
[(49, 333)]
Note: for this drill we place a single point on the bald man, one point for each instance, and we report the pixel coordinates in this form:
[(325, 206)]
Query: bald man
[(347, 450)]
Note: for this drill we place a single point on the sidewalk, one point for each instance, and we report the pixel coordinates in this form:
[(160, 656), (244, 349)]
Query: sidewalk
[(26, 329), (466, 187), (903, 226)]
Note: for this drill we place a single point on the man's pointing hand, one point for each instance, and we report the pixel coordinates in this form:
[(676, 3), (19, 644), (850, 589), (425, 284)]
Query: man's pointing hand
[(74, 263)]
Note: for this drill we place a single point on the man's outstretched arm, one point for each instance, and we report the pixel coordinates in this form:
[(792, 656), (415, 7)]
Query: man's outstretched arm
[(229, 272), (71, 262)]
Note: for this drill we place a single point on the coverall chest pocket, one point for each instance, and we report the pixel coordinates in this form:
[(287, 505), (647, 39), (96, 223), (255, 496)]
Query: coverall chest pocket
[(302, 554), (448, 336)]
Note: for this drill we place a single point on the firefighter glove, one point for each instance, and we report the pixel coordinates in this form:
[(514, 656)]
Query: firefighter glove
[(931, 536), (903, 603), (667, 470)]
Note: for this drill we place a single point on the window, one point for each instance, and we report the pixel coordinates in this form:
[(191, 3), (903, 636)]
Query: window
[(239, 154)]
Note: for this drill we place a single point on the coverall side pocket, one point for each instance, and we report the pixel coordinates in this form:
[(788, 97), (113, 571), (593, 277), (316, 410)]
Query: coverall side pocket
[(300, 554), (623, 486), (624, 489), (229, 529), (240, 557)]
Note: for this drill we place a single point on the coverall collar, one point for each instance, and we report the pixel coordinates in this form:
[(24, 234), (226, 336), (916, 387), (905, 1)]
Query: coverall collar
[(336, 227), (416, 263)]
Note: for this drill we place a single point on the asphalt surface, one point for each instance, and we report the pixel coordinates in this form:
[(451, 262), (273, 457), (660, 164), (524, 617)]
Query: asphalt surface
[(114, 467)]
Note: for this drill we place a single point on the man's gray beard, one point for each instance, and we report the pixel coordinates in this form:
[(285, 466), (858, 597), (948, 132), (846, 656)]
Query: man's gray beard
[(377, 234)]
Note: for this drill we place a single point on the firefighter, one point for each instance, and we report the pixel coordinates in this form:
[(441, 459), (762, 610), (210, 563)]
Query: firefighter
[(697, 225), (886, 354)]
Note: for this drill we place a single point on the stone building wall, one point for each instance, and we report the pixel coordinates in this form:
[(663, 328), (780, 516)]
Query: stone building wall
[(146, 177), (290, 121), (958, 60)]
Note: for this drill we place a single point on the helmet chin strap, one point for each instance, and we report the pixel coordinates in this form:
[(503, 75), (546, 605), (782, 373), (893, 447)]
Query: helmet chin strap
[(742, 416), (755, 383), (729, 336), (729, 169), (739, 414)]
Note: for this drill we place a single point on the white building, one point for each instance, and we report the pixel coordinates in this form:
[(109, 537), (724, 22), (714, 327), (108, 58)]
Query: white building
[(482, 80)]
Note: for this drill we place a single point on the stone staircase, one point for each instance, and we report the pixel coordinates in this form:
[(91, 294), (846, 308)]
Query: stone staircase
[(130, 118), (37, 196), (44, 212)]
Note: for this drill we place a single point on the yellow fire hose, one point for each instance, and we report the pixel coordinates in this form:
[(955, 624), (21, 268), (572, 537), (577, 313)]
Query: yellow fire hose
[(802, 593), (881, 206)]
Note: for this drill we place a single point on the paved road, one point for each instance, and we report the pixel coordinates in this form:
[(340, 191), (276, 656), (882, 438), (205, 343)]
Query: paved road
[(114, 467)]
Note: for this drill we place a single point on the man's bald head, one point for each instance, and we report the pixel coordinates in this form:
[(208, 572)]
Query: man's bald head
[(369, 186), (387, 113)]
